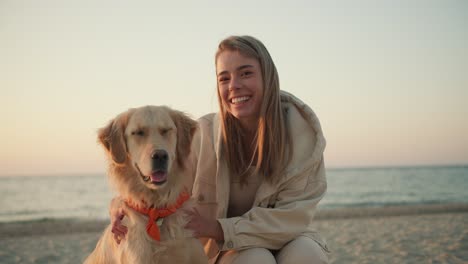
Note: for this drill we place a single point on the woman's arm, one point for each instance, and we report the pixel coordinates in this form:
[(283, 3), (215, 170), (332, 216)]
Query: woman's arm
[(117, 213), (273, 227), (204, 227)]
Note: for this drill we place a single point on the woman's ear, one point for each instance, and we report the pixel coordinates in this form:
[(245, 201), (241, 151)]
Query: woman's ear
[(186, 128), (112, 138)]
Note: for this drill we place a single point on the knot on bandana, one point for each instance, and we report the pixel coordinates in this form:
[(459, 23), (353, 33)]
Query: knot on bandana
[(155, 213)]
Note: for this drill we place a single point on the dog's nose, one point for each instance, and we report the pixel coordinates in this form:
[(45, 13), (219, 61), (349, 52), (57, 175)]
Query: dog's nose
[(160, 155)]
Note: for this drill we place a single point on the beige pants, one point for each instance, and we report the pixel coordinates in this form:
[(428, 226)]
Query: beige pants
[(301, 250)]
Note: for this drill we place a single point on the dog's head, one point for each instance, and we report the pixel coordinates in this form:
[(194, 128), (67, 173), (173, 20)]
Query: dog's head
[(149, 143)]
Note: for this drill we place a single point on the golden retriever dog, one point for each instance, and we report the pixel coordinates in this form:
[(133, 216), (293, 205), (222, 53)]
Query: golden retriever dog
[(149, 166)]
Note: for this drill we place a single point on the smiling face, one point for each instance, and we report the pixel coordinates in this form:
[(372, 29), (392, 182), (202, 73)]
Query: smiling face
[(240, 86)]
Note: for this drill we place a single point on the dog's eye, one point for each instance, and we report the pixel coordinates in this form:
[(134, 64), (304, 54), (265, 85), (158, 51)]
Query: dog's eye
[(138, 133), (164, 131)]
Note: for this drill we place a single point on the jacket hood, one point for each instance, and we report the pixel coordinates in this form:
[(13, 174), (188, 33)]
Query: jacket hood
[(311, 118)]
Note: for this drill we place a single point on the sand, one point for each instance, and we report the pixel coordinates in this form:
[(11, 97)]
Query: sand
[(407, 234)]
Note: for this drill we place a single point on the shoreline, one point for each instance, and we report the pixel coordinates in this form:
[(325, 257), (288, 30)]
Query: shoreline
[(50, 226), (393, 210)]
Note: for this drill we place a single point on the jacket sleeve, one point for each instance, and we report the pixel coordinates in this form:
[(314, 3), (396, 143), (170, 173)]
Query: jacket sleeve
[(291, 215)]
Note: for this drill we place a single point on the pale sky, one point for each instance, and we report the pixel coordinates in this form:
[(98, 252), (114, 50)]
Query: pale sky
[(388, 79)]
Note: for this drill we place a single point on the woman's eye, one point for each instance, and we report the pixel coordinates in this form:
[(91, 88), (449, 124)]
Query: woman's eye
[(223, 79), (246, 73)]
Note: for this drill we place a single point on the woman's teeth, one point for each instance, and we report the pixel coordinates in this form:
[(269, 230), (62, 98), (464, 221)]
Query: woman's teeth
[(240, 99)]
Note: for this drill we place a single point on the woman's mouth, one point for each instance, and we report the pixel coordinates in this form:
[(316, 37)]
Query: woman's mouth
[(241, 99)]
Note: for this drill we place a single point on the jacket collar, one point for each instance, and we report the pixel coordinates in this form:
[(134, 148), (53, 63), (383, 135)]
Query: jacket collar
[(222, 172)]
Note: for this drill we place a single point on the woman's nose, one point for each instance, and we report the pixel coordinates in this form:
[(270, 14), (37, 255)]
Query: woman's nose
[(235, 83)]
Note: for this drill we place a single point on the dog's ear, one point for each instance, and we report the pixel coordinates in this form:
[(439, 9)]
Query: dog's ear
[(186, 128), (113, 139)]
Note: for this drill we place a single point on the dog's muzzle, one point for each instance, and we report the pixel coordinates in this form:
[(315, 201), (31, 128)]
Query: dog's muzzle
[(158, 175), (160, 159)]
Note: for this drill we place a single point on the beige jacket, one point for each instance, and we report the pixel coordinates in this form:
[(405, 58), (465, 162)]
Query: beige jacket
[(281, 211)]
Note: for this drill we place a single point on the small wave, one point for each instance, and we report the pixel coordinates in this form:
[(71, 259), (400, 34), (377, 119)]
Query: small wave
[(382, 204)]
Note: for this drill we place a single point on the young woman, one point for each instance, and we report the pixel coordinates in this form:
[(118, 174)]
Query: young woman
[(260, 170)]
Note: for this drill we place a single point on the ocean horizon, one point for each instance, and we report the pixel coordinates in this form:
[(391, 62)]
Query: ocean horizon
[(86, 197)]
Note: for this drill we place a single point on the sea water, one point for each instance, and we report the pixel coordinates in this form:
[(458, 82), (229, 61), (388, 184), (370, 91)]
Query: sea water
[(88, 196)]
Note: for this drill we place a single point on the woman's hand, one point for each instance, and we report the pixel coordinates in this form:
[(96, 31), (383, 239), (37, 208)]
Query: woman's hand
[(117, 214), (204, 227)]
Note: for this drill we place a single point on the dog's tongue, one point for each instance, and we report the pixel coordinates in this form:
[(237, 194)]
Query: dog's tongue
[(158, 176)]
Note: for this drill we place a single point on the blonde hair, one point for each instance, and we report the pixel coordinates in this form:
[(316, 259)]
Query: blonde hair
[(272, 141)]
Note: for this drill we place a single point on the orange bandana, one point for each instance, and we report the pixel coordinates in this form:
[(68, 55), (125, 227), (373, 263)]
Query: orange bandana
[(156, 213)]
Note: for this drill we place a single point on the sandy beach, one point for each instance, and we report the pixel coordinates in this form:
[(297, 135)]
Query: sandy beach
[(406, 234)]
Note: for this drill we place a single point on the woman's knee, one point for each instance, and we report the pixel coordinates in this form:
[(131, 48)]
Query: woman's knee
[(252, 255), (302, 250)]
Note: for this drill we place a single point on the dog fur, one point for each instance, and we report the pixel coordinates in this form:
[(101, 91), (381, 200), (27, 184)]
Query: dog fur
[(131, 141)]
